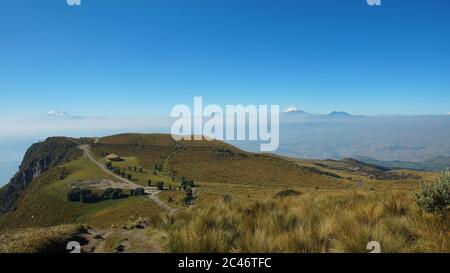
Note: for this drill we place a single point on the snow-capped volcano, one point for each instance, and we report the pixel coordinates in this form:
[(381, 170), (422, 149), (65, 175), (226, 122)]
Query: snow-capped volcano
[(55, 113), (291, 109)]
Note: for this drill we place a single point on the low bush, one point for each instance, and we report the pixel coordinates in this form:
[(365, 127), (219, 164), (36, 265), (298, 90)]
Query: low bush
[(435, 197)]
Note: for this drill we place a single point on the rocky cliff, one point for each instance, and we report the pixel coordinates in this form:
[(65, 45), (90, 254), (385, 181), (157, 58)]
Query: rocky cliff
[(39, 158)]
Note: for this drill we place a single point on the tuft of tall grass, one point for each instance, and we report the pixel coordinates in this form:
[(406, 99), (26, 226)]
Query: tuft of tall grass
[(396, 204), (312, 222), (32, 240)]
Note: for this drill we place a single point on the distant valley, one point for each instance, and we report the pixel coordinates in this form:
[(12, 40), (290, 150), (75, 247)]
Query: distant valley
[(408, 139)]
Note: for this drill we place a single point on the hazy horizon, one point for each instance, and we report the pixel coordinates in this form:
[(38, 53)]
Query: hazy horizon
[(142, 58), (404, 138)]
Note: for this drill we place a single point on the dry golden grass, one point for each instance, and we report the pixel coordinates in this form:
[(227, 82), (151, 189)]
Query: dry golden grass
[(325, 222), (33, 240)]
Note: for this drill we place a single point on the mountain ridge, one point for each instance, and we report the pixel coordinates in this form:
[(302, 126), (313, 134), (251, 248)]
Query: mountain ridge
[(39, 158)]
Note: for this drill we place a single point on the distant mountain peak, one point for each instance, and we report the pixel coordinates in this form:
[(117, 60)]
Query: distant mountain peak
[(55, 113), (339, 114), (293, 109)]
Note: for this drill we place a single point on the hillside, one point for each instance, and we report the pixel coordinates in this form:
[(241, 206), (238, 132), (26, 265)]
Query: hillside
[(211, 161), (36, 196), (219, 173), (39, 158)]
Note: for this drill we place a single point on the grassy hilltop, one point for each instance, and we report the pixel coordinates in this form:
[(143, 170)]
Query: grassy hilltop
[(239, 201)]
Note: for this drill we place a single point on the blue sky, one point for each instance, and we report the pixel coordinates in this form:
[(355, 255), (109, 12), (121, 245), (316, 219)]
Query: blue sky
[(140, 57)]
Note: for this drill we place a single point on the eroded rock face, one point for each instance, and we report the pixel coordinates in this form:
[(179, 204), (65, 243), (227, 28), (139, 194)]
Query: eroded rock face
[(38, 159)]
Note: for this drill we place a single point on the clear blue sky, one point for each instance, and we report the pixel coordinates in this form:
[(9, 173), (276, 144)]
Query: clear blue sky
[(140, 57)]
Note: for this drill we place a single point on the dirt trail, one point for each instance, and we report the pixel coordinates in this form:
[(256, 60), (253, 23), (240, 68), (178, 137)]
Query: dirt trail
[(178, 148), (116, 240)]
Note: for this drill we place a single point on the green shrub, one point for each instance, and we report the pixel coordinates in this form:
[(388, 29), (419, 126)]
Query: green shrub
[(226, 198), (435, 197), (190, 183), (190, 197), (160, 185)]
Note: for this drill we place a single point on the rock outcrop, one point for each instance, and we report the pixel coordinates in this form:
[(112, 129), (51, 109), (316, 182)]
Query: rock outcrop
[(39, 158)]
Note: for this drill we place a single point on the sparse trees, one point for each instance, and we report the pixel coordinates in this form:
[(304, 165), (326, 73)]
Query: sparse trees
[(87, 196), (82, 195), (137, 192), (111, 193)]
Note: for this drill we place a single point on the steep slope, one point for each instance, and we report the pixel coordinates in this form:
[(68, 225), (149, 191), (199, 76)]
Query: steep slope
[(38, 159), (44, 203)]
